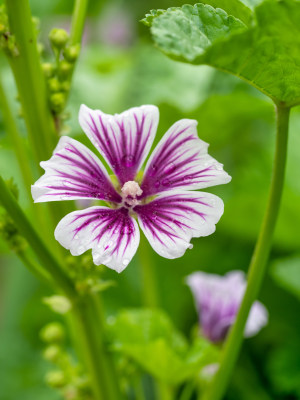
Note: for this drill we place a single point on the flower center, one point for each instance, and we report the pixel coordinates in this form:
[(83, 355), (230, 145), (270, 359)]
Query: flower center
[(130, 191)]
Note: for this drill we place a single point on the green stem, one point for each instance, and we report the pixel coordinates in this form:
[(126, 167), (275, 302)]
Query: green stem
[(258, 263), (30, 80), (78, 19), (77, 26), (17, 142), (165, 391), (27, 231), (90, 329), (34, 267), (149, 285), (138, 388), (187, 391)]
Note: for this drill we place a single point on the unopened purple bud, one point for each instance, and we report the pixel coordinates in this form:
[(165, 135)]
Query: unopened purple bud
[(218, 300)]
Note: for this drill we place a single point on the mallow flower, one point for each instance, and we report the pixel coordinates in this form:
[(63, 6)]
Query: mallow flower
[(218, 298), (161, 198)]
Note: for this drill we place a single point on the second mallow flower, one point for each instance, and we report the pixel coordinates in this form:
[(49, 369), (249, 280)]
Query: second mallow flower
[(168, 212), (218, 299)]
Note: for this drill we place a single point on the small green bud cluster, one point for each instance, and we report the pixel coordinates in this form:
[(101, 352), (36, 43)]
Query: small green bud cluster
[(86, 275), (8, 229), (67, 376), (58, 74), (7, 40)]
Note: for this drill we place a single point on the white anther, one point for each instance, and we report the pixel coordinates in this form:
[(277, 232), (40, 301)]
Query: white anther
[(130, 190)]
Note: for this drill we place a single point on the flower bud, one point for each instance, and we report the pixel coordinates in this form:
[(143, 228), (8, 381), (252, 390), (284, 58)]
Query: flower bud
[(64, 69), (54, 85), (53, 332), (48, 69), (52, 353), (59, 304), (71, 53), (56, 379), (65, 86), (58, 38), (57, 101), (3, 28)]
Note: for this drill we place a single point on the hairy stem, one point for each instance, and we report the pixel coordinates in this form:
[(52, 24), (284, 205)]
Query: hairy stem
[(25, 228), (91, 330), (16, 140), (258, 265), (30, 80)]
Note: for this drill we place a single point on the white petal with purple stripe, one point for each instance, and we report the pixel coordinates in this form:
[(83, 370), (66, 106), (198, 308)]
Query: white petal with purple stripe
[(180, 161), (112, 234), (72, 173), (124, 140), (173, 218)]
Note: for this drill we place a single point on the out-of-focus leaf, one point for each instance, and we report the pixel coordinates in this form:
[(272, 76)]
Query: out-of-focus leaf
[(149, 338), (286, 273), (265, 55), (283, 369), (162, 81)]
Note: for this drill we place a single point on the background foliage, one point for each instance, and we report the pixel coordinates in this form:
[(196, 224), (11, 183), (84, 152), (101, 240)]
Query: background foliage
[(120, 68)]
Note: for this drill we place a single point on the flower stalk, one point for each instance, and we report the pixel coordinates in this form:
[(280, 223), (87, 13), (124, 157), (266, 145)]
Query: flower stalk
[(78, 19), (149, 281), (258, 264)]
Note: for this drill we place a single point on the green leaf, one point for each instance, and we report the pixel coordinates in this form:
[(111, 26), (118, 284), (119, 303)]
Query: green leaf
[(283, 369), (286, 272), (149, 338), (187, 32), (152, 14), (239, 9), (265, 55)]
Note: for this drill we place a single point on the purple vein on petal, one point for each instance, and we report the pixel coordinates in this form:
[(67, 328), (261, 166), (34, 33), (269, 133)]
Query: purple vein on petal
[(74, 172), (180, 160), (124, 140)]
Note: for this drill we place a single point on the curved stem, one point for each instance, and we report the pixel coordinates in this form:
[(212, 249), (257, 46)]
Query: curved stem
[(34, 267), (258, 263), (28, 232)]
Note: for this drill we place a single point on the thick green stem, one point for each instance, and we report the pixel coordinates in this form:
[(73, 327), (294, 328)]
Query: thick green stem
[(27, 231), (16, 140), (91, 339), (30, 80), (258, 265), (78, 19), (149, 284)]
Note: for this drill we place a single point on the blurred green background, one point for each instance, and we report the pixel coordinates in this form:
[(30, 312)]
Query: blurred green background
[(120, 68)]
